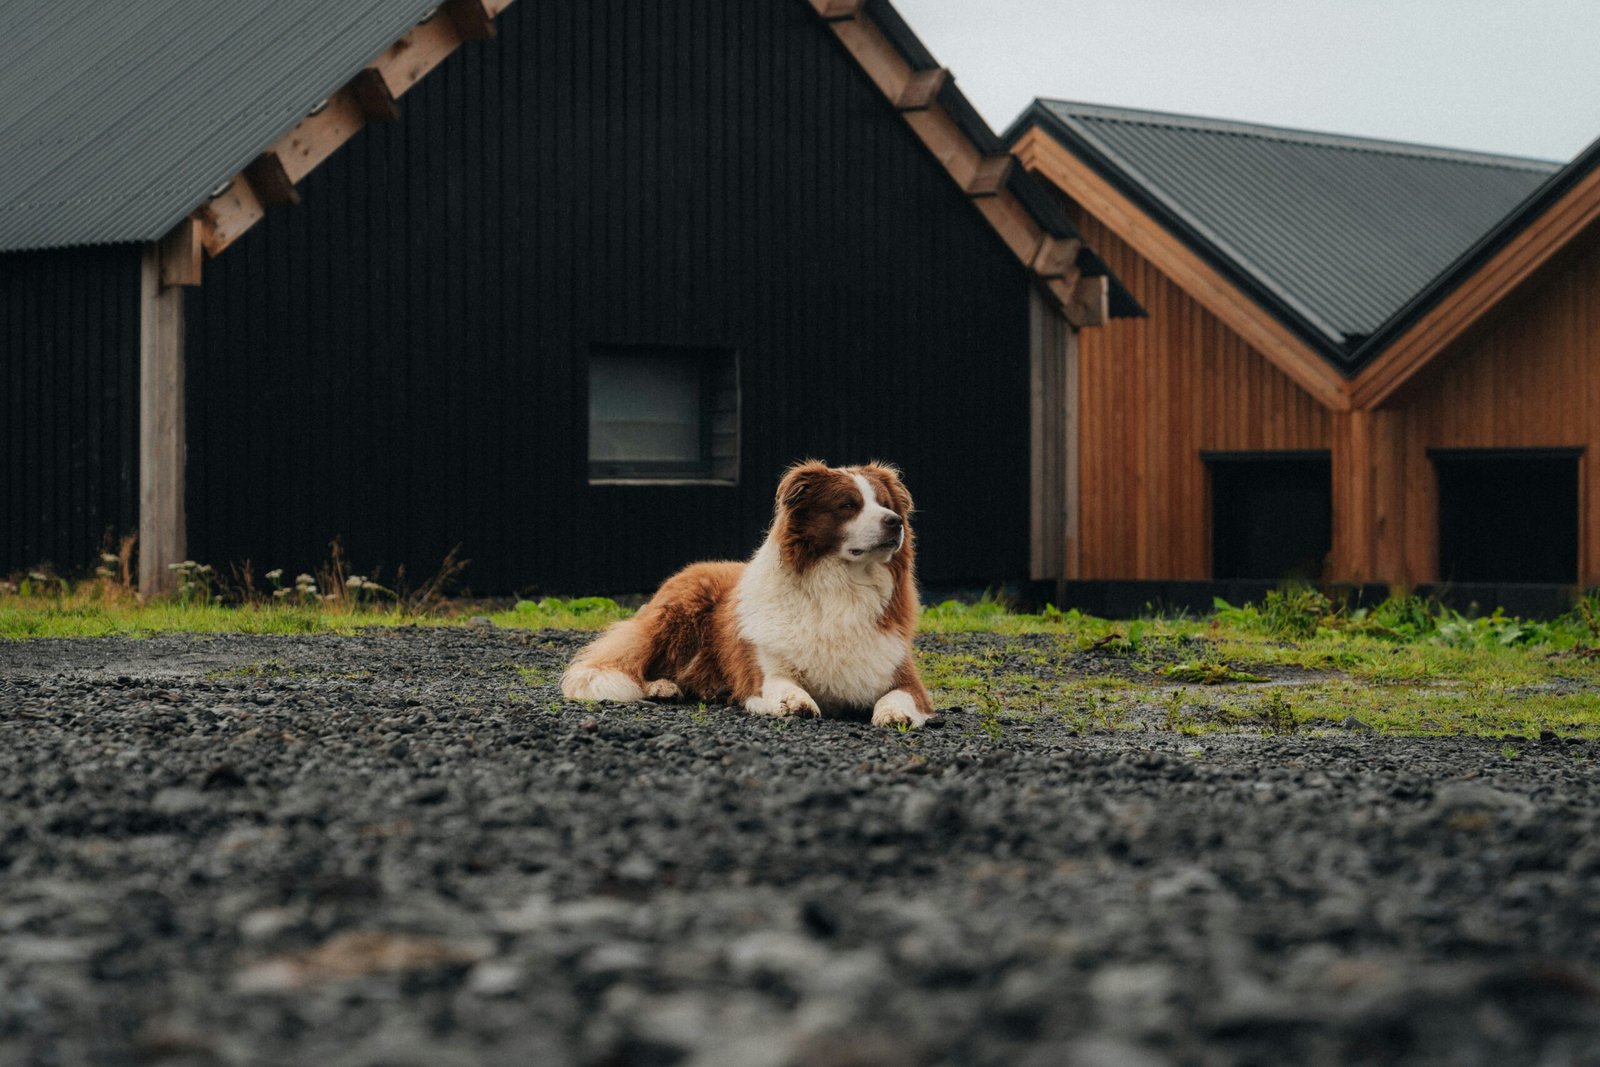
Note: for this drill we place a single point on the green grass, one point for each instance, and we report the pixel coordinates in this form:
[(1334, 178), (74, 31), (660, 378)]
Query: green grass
[(42, 617), (1297, 662), (104, 610)]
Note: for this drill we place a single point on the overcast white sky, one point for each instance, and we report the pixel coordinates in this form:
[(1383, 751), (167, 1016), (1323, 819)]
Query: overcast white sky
[(1514, 76)]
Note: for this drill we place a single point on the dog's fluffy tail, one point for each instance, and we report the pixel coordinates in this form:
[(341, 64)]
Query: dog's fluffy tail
[(610, 668)]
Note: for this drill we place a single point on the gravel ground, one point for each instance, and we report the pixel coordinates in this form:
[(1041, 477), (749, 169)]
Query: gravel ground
[(405, 848)]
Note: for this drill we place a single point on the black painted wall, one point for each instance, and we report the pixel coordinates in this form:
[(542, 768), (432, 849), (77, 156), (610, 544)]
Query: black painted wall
[(401, 360), (69, 405)]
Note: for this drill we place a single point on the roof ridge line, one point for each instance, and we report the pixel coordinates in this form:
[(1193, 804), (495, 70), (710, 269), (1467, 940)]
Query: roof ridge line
[(1297, 135)]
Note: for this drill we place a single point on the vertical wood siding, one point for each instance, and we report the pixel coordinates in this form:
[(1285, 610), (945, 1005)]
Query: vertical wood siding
[(401, 361), (1528, 377), (69, 405), (1154, 393)]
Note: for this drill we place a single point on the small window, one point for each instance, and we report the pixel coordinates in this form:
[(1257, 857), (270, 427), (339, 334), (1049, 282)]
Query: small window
[(663, 415)]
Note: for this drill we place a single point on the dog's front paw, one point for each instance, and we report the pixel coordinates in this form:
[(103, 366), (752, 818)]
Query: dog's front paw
[(898, 708), (662, 689), (786, 699), (796, 701)]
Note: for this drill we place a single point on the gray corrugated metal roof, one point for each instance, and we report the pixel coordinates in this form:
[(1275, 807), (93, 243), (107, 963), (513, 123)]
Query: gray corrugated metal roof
[(1333, 233), (116, 119), (1542, 200)]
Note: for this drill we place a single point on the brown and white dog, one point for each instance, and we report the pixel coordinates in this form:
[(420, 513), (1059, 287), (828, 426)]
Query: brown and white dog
[(820, 619)]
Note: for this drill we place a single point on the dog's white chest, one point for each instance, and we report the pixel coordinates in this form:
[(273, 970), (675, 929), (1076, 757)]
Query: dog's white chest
[(824, 630)]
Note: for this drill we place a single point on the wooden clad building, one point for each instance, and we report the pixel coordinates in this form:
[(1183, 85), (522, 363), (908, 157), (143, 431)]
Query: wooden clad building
[(570, 296), (1364, 362)]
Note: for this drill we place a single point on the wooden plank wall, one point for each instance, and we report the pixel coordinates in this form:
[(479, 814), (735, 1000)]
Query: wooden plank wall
[(1528, 377), (1154, 393), (69, 405), (401, 359)]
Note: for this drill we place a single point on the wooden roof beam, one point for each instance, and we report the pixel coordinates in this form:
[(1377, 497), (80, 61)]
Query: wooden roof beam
[(989, 177), (915, 94), (922, 89), (1082, 301), (271, 181), (894, 77), (373, 97), (1043, 155), (182, 254), (228, 214), (1056, 256), (839, 10), (369, 96), (473, 21), (1093, 297)]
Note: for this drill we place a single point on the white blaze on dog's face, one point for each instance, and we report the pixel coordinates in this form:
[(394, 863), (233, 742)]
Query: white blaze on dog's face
[(876, 533), (856, 514)]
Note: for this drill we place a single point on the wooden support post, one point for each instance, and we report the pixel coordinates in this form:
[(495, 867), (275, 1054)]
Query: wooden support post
[(990, 176), (1352, 554), (182, 254), (227, 216), (839, 10), (162, 522), (271, 181), (372, 95), (472, 20), (1382, 523), (1056, 256), (922, 89), (1092, 296), (1053, 452)]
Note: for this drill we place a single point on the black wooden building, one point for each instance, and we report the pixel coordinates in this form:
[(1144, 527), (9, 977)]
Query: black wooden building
[(570, 302)]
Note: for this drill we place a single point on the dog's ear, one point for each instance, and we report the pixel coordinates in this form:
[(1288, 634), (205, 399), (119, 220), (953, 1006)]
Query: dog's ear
[(888, 476), (799, 480)]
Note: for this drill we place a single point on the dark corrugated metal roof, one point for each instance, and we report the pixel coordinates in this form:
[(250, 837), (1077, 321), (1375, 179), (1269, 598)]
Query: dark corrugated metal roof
[(1540, 201), (117, 119), (1333, 234)]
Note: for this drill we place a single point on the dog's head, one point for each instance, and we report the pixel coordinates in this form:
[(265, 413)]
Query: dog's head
[(860, 515)]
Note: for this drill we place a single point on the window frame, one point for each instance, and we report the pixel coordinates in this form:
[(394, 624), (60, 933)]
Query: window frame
[(720, 396)]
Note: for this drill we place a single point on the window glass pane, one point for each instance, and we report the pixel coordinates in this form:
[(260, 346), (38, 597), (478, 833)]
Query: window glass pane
[(645, 408)]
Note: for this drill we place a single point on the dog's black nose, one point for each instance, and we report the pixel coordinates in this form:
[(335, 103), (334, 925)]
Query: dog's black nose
[(892, 521)]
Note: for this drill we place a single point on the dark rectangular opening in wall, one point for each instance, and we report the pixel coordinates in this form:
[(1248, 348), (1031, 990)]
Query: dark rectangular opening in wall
[(1271, 514), (1508, 515), (663, 414)]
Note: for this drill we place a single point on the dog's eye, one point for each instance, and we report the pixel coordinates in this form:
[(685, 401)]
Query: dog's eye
[(850, 505)]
